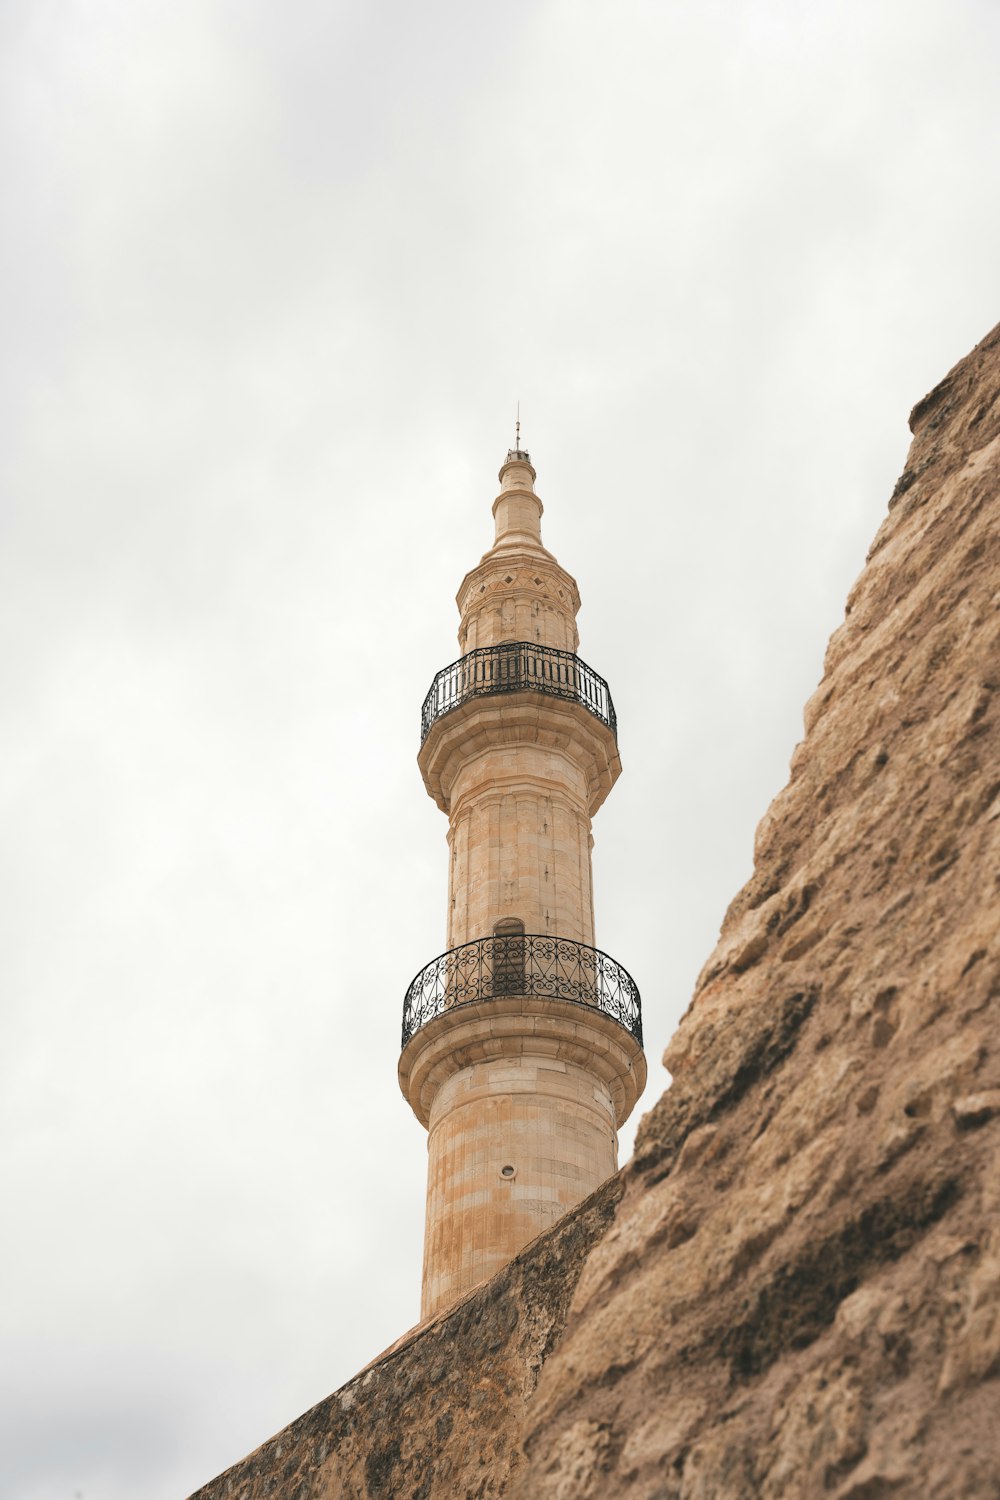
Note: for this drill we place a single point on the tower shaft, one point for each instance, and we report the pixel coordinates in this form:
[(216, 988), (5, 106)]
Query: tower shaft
[(521, 1048), (519, 839)]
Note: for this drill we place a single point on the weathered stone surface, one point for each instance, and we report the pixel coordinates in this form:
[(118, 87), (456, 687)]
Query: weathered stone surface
[(801, 1292), (439, 1416)]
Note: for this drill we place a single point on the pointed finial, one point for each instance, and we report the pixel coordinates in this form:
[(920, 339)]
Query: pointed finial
[(521, 455)]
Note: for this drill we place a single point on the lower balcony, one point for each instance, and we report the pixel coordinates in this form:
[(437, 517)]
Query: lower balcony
[(527, 964)]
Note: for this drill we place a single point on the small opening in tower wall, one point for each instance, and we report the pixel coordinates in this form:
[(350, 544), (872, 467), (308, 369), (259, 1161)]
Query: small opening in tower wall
[(508, 1172), (508, 957)]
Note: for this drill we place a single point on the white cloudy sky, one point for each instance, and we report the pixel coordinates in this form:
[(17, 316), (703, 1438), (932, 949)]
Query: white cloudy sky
[(272, 278)]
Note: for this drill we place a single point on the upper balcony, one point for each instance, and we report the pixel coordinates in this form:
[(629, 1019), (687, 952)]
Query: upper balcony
[(514, 667)]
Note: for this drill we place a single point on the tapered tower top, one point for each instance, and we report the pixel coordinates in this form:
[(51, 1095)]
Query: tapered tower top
[(518, 591), (517, 456), (517, 510)]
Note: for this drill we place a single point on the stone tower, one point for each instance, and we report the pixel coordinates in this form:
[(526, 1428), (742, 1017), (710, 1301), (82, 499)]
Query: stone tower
[(522, 1044)]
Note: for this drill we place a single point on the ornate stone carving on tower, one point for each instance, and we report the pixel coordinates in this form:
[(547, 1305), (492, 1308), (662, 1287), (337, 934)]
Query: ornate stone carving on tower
[(522, 1044)]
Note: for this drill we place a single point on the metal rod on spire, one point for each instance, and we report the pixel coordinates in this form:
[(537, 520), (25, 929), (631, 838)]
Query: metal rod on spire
[(517, 430)]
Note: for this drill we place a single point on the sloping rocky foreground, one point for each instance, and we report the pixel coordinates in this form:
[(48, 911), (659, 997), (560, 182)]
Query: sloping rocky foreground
[(793, 1290)]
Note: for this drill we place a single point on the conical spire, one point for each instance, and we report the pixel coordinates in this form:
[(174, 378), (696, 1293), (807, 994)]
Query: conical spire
[(517, 510)]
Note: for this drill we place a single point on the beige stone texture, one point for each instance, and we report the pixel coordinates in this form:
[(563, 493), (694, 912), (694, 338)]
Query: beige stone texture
[(583, 758), (521, 596), (514, 1143), (521, 848), (511, 1025)]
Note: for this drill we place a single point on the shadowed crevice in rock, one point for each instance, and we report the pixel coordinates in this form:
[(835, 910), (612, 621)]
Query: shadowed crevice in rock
[(768, 1048), (741, 1058), (801, 1300)]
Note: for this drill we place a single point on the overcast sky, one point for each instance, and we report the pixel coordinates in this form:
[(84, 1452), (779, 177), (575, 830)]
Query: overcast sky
[(273, 277)]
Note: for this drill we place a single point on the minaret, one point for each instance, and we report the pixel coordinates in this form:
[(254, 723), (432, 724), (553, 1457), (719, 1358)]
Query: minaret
[(522, 1044)]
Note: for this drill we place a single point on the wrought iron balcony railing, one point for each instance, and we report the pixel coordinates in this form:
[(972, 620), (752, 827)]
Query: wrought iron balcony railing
[(533, 965), (511, 668)]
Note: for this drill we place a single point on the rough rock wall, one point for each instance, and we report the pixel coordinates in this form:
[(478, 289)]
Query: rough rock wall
[(801, 1292), (440, 1415)]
